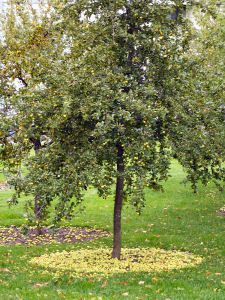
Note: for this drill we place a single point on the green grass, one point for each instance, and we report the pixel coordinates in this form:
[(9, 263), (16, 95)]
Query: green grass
[(176, 219)]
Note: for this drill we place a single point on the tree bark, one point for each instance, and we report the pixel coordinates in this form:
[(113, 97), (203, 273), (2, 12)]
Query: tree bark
[(37, 208), (118, 204), (20, 171)]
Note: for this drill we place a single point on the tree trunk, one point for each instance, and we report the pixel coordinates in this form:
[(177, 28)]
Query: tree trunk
[(118, 204), (20, 171), (37, 208)]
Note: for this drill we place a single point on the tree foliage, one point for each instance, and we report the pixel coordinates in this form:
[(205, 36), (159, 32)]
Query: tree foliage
[(200, 144), (25, 47)]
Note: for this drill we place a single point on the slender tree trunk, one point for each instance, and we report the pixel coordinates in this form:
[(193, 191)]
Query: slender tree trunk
[(20, 171), (37, 208), (118, 204)]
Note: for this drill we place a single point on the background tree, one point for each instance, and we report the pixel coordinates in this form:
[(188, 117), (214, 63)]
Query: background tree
[(26, 48), (199, 143)]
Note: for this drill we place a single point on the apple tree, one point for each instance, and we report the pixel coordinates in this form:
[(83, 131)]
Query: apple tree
[(132, 99), (25, 47), (123, 95)]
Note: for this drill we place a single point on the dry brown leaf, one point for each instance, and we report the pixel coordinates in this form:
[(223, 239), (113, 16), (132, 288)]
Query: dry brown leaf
[(5, 270), (104, 284)]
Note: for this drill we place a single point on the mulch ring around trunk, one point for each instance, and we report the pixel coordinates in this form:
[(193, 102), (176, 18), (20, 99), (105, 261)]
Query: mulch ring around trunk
[(30, 236)]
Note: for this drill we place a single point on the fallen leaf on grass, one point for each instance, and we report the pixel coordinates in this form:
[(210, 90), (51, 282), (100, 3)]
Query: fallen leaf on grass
[(141, 282), (4, 282), (125, 294), (99, 279), (5, 270), (39, 284), (124, 283), (104, 284), (217, 274), (155, 278)]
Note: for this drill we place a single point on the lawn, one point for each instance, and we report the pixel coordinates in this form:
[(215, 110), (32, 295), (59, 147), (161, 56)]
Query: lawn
[(177, 219)]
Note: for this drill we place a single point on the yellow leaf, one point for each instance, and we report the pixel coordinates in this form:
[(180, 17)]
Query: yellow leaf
[(155, 278)]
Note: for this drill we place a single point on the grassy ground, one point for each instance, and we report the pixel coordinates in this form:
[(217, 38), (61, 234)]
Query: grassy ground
[(176, 219)]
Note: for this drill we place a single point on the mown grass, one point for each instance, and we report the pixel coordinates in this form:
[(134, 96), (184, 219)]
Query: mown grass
[(176, 219)]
